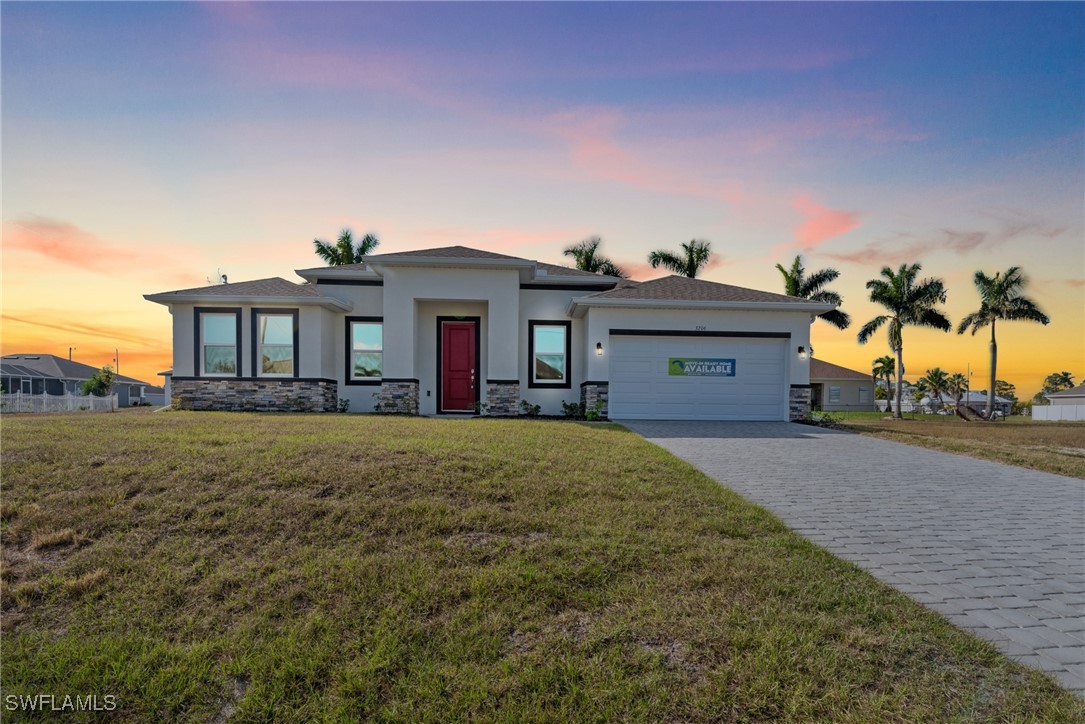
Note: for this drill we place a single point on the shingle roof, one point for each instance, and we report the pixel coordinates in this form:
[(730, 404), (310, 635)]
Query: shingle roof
[(822, 370), (271, 287), (1078, 391), (448, 252), (556, 270), (684, 289), (50, 365)]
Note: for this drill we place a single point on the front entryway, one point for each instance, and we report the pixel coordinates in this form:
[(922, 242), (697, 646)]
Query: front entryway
[(457, 368)]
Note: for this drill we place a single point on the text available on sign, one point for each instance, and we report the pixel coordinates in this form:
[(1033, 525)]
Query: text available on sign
[(690, 367)]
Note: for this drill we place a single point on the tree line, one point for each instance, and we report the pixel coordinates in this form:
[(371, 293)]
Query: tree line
[(908, 300)]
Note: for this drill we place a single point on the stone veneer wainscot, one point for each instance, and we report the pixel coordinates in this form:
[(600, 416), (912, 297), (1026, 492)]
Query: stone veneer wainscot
[(399, 397), (239, 394), (503, 398), (798, 402), (592, 392)]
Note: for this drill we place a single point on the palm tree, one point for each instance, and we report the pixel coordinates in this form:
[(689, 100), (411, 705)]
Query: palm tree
[(344, 251), (957, 385), (797, 284), (1000, 298), (882, 369), (936, 381), (587, 258), (689, 263), (908, 303)]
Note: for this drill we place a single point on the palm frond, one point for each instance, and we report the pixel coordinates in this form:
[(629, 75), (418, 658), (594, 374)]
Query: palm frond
[(871, 327)]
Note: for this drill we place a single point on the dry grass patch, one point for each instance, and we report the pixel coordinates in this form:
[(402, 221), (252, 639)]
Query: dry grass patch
[(330, 567), (1052, 447), (54, 539)]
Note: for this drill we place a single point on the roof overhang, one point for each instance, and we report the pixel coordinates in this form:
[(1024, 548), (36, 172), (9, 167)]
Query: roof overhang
[(579, 306), (525, 267), (171, 298)]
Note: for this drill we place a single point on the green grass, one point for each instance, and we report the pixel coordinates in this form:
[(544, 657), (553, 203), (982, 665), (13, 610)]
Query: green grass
[(331, 567), (1053, 447)]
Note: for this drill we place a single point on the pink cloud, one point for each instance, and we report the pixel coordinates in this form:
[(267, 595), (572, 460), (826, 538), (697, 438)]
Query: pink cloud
[(821, 223)]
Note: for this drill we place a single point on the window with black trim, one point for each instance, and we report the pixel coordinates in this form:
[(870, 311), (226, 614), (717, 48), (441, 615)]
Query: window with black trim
[(549, 353), (275, 344), (366, 359), (218, 340)]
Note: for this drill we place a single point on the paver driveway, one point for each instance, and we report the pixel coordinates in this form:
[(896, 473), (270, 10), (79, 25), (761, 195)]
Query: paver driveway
[(998, 550)]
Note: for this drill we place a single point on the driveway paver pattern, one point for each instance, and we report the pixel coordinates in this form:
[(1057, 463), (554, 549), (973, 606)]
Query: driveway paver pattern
[(998, 550)]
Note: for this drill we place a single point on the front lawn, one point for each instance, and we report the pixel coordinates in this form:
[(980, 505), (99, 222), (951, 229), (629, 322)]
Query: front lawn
[(1053, 447), (333, 567)]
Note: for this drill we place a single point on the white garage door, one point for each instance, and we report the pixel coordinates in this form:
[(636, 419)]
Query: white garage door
[(698, 378)]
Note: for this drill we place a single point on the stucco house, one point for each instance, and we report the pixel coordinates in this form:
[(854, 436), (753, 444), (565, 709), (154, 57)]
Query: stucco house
[(838, 389), (459, 330)]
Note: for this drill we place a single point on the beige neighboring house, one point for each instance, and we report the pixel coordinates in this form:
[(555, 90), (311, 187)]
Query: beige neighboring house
[(459, 330), (1068, 405), (838, 389)]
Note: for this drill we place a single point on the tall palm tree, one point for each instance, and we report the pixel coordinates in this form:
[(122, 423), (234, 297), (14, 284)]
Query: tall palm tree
[(936, 381), (883, 368), (587, 258), (344, 250), (797, 284), (694, 257), (908, 303), (1000, 298)]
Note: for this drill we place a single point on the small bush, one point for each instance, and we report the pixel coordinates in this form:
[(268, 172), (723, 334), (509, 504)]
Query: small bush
[(572, 410), (343, 405), (595, 413), (529, 410)]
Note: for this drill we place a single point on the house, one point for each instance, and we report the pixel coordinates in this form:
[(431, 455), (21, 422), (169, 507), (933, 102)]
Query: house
[(834, 388), (1065, 405), (459, 330), (36, 374)]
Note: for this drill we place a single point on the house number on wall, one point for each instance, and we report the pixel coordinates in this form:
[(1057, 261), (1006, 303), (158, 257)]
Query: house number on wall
[(700, 328)]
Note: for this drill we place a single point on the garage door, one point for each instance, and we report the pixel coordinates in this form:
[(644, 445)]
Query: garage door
[(698, 378)]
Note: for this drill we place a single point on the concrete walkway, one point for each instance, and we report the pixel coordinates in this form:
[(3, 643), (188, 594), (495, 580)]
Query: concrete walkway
[(998, 550)]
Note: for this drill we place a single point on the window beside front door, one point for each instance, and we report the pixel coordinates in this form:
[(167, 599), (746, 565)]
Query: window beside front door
[(366, 350), (549, 353), (834, 394)]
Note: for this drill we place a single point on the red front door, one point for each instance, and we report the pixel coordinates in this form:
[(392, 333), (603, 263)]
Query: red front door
[(458, 367)]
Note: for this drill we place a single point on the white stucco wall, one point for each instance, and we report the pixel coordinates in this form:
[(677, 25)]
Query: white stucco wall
[(549, 305)]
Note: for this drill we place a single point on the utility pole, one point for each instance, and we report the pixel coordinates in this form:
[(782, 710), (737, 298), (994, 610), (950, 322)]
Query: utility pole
[(70, 350), (117, 360)]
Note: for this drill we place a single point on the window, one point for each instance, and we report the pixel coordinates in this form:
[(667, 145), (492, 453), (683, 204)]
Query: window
[(366, 353), (275, 344), (834, 393), (549, 353), (864, 395), (218, 338)]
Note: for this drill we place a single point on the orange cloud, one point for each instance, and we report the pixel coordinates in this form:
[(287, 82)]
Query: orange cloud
[(821, 223), (60, 242)]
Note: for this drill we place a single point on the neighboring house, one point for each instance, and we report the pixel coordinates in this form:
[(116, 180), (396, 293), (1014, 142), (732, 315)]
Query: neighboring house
[(1065, 405), (48, 374), (456, 330), (834, 388)]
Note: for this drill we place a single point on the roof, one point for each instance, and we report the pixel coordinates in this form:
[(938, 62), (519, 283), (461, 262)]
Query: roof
[(677, 288), (1078, 391), (446, 252), (270, 287), (50, 365), (822, 370), (556, 270), (270, 290)]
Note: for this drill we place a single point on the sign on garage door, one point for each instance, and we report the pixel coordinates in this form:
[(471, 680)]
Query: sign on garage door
[(698, 378)]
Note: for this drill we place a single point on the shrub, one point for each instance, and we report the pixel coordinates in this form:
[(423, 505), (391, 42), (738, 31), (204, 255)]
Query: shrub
[(529, 410), (572, 410)]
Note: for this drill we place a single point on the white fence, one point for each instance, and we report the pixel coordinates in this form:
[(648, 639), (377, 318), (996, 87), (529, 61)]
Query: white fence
[(1058, 412), (18, 402)]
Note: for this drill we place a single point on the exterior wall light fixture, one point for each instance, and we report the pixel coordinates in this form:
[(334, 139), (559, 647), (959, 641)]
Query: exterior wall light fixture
[(599, 349), (802, 352)]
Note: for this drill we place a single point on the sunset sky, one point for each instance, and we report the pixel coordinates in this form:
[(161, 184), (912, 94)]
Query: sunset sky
[(148, 146)]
